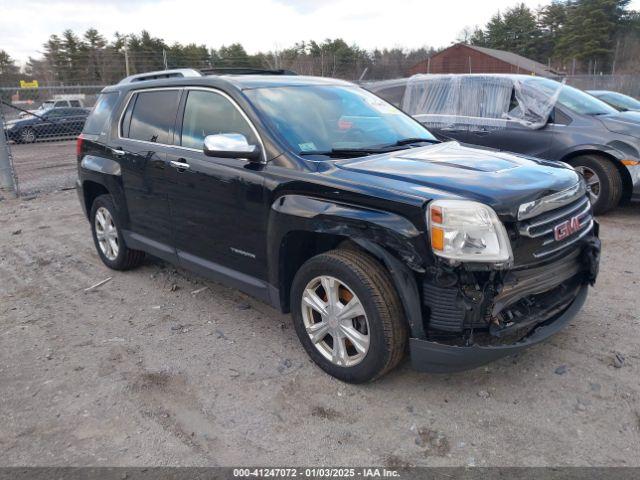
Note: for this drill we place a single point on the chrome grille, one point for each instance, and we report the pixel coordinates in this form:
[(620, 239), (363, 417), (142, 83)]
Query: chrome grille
[(542, 227)]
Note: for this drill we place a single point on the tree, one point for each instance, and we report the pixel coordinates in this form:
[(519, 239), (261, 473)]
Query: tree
[(9, 71), (591, 31), (602, 33), (516, 30), (551, 21)]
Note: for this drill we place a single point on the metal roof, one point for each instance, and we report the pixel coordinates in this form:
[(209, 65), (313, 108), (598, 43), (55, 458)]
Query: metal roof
[(517, 60)]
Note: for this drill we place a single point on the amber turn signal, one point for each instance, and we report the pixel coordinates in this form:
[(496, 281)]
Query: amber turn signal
[(630, 163), (436, 215), (437, 238)]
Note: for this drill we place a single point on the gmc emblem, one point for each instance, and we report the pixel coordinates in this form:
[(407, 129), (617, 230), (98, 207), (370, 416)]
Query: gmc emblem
[(566, 228)]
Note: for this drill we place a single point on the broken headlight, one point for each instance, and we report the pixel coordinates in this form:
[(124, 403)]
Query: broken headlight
[(467, 231)]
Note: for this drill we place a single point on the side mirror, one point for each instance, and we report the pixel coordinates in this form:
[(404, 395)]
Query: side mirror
[(231, 145)]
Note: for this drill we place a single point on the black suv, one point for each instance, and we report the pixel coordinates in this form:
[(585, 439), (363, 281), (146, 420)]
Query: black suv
[(327, 202)]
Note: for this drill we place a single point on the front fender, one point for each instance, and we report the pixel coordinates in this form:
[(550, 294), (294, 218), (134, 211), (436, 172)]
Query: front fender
[(302, 213), (617, 149), (390, 237)]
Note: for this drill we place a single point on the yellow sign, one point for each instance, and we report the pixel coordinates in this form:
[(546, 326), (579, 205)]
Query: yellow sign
[(31, 84)]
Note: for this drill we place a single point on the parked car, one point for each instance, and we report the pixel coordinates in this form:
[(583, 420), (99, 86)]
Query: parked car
[(55, 103), (619, 101), (325, 201), (50, 124), (534, 116)]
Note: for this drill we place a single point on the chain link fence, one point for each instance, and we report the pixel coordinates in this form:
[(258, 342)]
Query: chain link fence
[(37, 153), (40, 126)]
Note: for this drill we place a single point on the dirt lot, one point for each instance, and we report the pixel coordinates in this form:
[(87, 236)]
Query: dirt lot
[(143, 371)]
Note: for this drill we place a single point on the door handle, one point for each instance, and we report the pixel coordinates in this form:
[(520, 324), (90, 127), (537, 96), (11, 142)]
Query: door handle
[(118, 153), (179, 165)]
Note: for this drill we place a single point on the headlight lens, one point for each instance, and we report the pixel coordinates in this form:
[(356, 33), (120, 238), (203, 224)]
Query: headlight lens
[(467, 231)]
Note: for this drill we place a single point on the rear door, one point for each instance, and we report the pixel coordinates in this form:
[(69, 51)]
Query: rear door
[(145, 130)]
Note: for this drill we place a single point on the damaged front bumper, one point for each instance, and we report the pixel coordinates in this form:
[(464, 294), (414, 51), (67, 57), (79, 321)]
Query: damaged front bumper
[(524, 308), (427, 356)]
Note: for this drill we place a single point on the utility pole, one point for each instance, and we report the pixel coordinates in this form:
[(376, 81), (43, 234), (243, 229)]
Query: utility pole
[(164, 59), (126, 60), (126, 55)]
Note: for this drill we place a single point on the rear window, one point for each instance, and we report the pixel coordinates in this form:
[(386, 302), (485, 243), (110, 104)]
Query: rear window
[(101, 113), (151, 115)]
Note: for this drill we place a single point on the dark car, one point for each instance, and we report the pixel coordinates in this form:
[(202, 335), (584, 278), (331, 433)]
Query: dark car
[(619, 101), (325, 201), (533, 116), (50, 124)]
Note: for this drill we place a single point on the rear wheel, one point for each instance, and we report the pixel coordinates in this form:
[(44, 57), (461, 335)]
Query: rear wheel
[(348, 316), (604, 183), (107, 236)]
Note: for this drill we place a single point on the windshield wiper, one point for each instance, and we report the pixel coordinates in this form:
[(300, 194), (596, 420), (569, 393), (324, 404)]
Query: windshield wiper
[(408, 141), (347, 152), (360, 152)]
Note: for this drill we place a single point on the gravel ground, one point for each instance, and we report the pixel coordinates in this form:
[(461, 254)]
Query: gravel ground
[(150, 369)]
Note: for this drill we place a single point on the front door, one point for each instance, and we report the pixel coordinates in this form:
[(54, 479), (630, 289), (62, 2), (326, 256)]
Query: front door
[(217, 204)]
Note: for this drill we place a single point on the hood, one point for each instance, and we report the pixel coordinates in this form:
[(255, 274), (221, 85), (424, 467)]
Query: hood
[(626, 123), (500, 180)]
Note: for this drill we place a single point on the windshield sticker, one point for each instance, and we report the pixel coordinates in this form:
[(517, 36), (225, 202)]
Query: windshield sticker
[(382, 106), (307, 147)]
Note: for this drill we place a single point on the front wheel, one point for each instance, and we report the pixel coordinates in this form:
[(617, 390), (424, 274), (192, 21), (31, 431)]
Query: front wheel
[(604, 183), (348, 315), (27, 135)]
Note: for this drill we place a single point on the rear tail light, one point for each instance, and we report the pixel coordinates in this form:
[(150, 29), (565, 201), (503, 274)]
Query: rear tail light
[(79, 142)]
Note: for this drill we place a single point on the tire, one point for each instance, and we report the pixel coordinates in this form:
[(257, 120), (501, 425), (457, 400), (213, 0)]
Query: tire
[(610, 181), (383, 321), (115, 255), (27, 135)]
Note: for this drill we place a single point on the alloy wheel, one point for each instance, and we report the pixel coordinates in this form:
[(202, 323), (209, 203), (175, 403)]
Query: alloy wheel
[(107, 233), (28, 136), (335, 320), (593, 182)]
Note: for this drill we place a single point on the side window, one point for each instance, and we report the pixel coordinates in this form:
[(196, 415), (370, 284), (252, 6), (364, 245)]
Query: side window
[(153, 116), (101, 113), (559, 118), (75, 103), (208, 113), (61, 103)]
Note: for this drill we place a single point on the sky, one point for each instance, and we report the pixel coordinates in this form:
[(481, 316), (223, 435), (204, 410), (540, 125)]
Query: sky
[(260, 25)]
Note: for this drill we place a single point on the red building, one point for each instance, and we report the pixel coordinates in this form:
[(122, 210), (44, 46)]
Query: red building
[(463, 58)]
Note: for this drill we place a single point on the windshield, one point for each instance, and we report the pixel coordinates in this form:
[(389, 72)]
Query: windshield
[(620, 101), (324, 118), (46, 105), (572, 98)]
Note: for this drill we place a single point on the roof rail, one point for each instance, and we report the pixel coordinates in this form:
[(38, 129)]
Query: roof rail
[(244, 71), (176, 73)]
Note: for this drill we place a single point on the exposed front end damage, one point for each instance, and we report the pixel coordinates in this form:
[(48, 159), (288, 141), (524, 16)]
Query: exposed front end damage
[(473, 316)]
